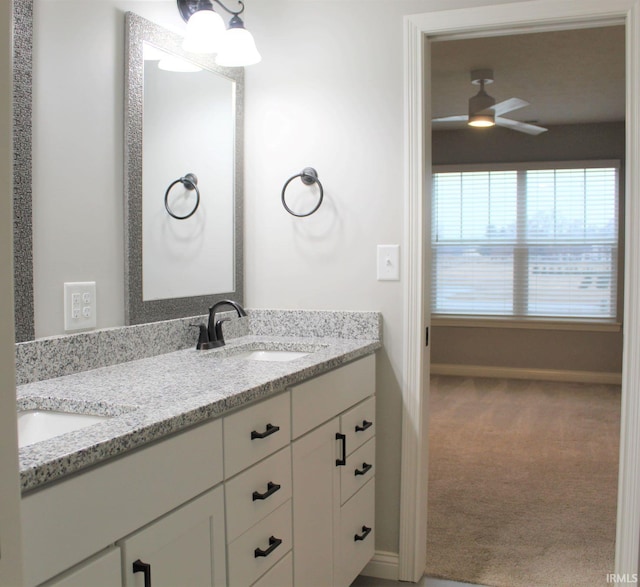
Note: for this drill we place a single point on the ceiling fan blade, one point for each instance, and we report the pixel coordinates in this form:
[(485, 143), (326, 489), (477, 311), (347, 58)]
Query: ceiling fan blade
[(460, 118), (530, 129), (509, 105)]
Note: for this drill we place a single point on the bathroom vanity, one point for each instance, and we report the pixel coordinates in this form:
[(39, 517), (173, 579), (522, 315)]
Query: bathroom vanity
[(253, 464)]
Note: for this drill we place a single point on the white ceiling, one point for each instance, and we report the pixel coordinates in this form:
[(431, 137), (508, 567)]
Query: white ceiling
[(569, 77)]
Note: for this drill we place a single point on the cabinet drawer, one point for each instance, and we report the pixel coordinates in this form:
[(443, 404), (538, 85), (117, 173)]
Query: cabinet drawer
[(254, 433), (258, 549), (357, 535), (359, 469), (256, 492), (281, 575), (358, 424), (318, 400)]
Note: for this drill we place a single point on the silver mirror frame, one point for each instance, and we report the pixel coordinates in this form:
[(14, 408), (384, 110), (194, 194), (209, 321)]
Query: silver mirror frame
[(22, 178), (139, 30)]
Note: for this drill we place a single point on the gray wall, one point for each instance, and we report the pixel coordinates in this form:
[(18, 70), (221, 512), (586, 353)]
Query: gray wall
[(525, 348)]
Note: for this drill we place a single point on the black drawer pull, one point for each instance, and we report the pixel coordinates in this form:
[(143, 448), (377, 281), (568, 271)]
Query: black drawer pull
[(140, 567), (273, 544), (269, 430), (366, 467), (343, 461), (365, 532), (271, 489), (365, 425)]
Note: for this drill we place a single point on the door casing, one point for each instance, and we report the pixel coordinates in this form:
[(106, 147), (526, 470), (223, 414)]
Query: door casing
[(503, 19)]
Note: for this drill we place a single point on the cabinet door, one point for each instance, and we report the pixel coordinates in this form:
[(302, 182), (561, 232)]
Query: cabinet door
[(316, 491), (185, 547), (102, 571)]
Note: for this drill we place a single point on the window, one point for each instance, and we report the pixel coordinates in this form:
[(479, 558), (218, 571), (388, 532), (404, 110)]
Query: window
[(526, 241)]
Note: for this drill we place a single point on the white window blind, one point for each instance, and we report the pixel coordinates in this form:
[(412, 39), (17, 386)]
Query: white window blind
[(526, 241)]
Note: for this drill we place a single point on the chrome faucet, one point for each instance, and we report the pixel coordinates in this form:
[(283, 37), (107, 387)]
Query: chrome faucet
[(214, 337)]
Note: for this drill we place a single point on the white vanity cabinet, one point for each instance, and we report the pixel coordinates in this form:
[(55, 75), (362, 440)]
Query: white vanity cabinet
[(279, 493), (333, 457)]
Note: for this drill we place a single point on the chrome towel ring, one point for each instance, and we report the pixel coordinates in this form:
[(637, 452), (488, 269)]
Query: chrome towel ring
[(308, 176), (189, 181)]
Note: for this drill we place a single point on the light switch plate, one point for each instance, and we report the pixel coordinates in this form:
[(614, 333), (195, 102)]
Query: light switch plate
[(79, 305), (388, 262)]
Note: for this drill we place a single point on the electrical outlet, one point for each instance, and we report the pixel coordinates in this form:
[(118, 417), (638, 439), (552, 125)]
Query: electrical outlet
[(79, 305)]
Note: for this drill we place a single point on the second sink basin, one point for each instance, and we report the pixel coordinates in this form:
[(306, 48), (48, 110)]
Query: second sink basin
[(270, 355), (37, 425)]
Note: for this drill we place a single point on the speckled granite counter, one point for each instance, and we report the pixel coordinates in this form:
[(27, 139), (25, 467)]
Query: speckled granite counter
[(152, 397)]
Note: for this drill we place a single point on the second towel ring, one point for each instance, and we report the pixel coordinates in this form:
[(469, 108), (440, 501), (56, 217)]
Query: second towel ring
[(308, 176), (189, 181)]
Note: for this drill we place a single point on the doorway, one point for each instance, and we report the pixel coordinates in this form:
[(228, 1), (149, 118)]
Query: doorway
[(491, 21), (519, 483)]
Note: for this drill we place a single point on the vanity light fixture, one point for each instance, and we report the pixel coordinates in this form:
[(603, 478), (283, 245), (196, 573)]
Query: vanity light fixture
[(206, 33)]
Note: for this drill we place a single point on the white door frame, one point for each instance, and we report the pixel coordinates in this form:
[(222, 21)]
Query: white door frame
[(512, 18)]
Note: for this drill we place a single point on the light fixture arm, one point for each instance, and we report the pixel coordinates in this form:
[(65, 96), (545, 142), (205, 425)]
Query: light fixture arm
[(188, 7)]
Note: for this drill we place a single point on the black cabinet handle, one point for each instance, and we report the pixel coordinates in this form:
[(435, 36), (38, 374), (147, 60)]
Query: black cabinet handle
[(365, 425), (273, 544), (366, 467), (343, 461), (269, 430), (140, 567), (271, 489), (365, 532)]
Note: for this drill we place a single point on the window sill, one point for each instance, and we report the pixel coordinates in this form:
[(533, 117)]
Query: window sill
[(470, 322)]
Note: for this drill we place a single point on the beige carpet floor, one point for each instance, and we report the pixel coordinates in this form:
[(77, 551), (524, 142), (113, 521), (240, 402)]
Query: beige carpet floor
[(522, 482)]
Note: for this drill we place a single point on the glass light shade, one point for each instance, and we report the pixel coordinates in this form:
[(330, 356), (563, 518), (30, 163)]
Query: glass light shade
[(481, 120), (238, 49), (205, 31)]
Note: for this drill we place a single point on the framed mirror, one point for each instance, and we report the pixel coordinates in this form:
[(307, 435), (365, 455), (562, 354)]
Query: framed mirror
[(22, 204), (183, 177)]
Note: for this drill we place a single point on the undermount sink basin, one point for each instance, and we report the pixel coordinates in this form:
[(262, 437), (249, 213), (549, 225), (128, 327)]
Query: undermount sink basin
[(37, 425), (270, 355)]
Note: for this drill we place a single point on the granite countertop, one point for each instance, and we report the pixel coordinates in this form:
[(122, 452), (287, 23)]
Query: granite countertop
[(153, 397)]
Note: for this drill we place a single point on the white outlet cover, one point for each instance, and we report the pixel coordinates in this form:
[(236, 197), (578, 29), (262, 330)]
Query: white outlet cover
[(82, 315), (388, 262)]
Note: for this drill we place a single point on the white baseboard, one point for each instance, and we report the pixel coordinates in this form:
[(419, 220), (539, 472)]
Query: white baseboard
[(383, 565), (518, 373)]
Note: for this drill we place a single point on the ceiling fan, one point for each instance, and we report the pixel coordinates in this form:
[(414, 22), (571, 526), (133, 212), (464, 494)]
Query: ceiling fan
[(484, 112)]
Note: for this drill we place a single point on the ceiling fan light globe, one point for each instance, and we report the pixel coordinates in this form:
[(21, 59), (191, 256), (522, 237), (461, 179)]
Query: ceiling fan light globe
[(481, 120)]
